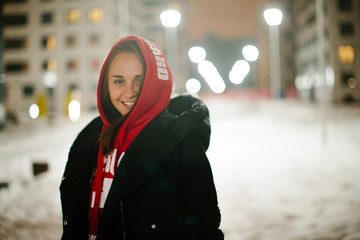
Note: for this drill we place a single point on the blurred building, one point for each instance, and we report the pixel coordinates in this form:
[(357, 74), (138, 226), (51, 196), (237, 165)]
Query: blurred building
[(328, 40), (69, 39), (53, 49), (225, 27)]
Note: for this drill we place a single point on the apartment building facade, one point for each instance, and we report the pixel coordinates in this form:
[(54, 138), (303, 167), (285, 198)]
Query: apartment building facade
[(328, 41), (56, 47)]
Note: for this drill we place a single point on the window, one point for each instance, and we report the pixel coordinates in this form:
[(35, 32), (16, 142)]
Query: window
[(94, 64), (28, 90), (72, 65), (94, 40), (347, 29), (73, 15), (347, 79), (49, 65), (48, 42), (345, 5), (311, 19), (95, 15), (15, 20), (16, 67), (346, 54), (47, 18), (71, 41), (15, 1), (15, 43)]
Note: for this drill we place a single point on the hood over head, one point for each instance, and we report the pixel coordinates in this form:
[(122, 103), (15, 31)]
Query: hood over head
[(155, 93)]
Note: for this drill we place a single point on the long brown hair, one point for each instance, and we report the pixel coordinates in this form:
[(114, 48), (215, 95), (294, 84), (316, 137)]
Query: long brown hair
[(113, 115)]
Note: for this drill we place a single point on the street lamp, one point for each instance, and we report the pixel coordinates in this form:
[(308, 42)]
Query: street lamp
[(250, 53), (273, 18), (170, 19), (197, 54), (193, 86), (50, 79), (239, 71)]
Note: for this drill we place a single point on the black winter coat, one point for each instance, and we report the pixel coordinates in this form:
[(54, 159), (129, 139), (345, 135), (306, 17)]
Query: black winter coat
[(163, 188)]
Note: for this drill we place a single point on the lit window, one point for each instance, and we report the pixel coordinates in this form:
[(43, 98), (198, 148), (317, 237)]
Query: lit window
[(73, 15), (48, 42), (95, 15), (50, 65), (346, 54)]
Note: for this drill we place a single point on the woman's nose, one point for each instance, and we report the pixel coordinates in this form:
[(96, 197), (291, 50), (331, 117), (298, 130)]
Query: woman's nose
[(131, 90)]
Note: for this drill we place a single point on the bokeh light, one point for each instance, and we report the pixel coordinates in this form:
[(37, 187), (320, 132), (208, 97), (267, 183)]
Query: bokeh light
[(74, 110), (212, 76), (250, 53), (34, 111), (193, 85), (197, 54), (239, 71)]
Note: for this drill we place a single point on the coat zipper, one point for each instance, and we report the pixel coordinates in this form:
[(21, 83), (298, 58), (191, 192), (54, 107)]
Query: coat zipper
[(92, 175), (122, 218), (91, 179)]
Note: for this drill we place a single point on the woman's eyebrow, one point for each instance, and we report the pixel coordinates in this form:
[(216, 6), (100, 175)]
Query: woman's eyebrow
[(117, 76)]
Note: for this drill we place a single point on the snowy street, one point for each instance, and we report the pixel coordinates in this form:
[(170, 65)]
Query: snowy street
[(279, 174)]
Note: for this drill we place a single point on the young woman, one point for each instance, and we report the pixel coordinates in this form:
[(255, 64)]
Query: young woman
[(139, 171)]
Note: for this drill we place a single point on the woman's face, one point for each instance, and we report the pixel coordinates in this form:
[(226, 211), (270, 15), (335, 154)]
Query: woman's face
[(125, 78)]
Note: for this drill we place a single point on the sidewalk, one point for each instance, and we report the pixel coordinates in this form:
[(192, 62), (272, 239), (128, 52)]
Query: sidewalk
[(276, 178)]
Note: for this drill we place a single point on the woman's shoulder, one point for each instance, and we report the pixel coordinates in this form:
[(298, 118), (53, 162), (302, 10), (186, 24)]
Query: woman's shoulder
[(90, 132), (185, 117), (93, 126)]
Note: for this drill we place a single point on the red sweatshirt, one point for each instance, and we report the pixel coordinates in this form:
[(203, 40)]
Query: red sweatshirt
[(154, 98)]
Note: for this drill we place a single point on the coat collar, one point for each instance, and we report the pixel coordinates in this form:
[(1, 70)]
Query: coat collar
[(152, 147)]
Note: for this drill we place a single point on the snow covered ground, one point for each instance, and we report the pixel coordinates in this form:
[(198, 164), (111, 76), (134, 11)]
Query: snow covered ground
[(276, 177)]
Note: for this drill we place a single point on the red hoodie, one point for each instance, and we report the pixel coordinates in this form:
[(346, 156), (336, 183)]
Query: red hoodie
[(153, 99)]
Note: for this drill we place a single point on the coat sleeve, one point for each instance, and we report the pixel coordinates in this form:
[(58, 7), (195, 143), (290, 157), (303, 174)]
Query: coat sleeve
[(201, 213)]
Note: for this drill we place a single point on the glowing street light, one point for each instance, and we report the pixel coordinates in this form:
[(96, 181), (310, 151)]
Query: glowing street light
[(50, 80), (197, 54), (193, 85), (170, 19), (273, 18), (250, 53), (212, 76), (74, 109), (239, 71), (34, 111)]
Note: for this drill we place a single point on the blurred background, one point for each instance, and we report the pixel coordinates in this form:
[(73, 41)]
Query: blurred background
[(281, 78)]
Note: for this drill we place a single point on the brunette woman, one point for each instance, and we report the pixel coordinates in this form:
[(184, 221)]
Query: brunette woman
[(139, 170)]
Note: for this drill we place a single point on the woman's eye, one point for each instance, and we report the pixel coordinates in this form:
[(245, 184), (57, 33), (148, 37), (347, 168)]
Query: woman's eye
[(139, 81), (118, 81)]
